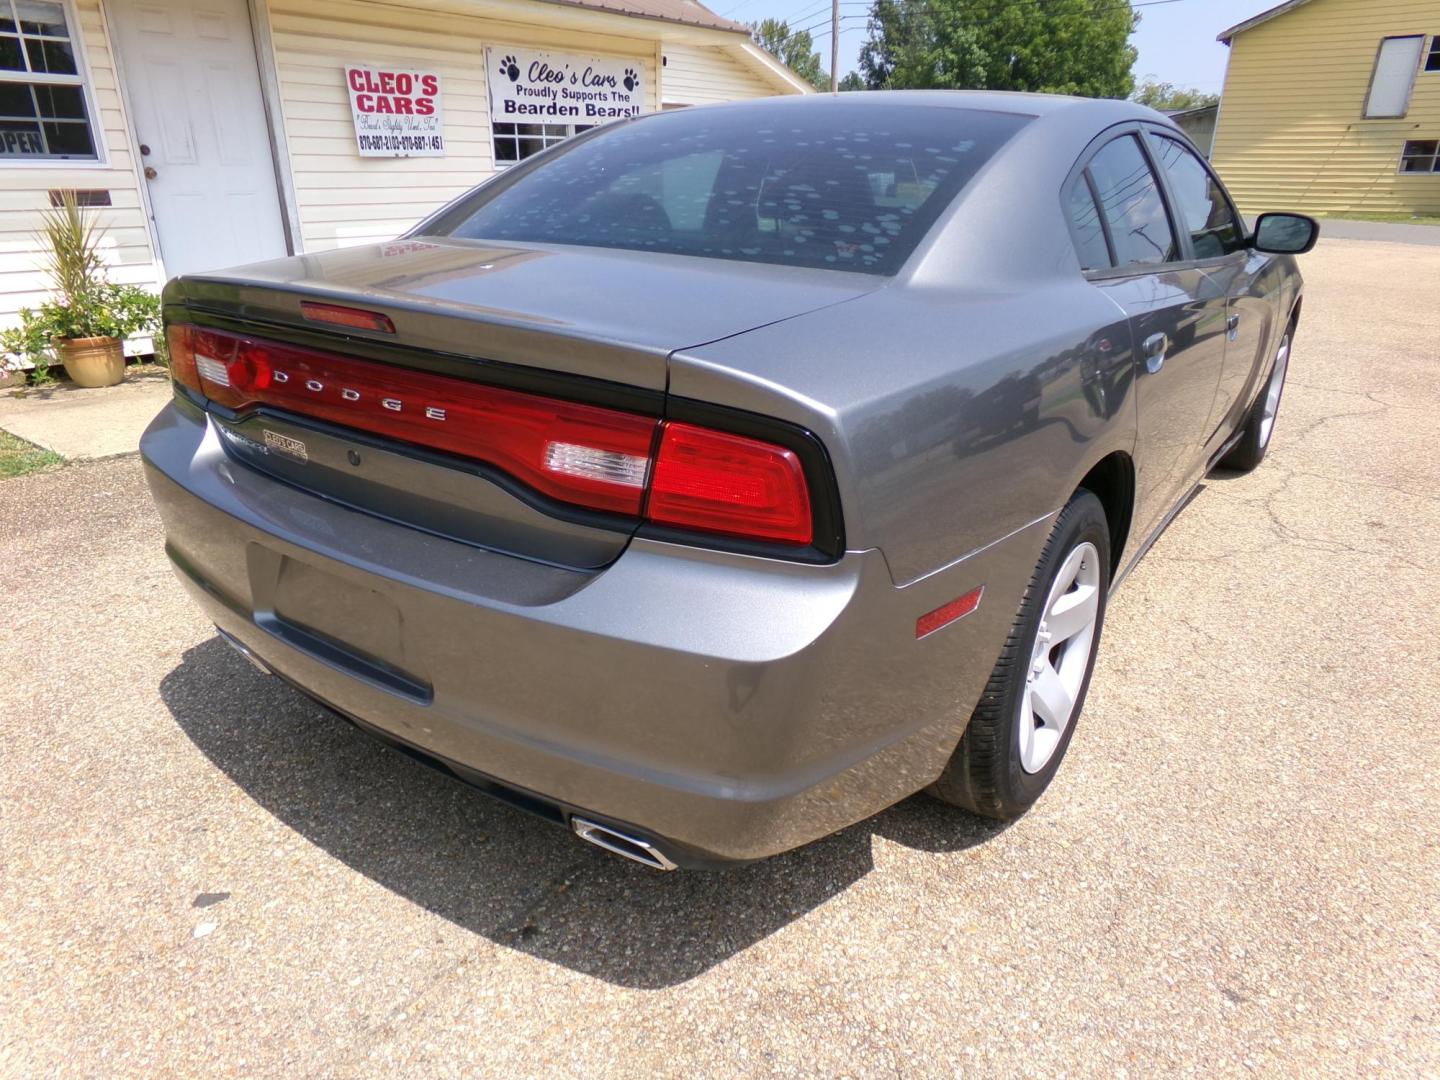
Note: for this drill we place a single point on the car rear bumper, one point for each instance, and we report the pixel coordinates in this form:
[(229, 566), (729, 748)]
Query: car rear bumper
[(724, 706)]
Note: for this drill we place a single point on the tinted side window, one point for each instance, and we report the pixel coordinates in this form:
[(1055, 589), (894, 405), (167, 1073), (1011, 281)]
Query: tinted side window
[(1199, 202), (1130, 198), (1085, 226)]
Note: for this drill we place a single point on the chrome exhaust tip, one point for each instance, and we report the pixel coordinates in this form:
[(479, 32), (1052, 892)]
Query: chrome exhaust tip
[(617, 843), (244, 650)]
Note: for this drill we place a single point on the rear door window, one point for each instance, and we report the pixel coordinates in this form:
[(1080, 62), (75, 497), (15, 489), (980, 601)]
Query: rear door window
[(1132, 204), (1085, 225), (1200, 203), (835, 187)]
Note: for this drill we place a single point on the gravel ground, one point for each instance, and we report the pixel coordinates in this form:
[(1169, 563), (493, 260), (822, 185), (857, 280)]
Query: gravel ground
[(1235, 872)]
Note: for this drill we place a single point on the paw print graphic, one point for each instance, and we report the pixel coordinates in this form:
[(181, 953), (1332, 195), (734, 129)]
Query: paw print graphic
[(510, 69), (632, 80)]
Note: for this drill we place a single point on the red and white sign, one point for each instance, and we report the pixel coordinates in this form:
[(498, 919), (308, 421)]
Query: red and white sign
[(397, 113)]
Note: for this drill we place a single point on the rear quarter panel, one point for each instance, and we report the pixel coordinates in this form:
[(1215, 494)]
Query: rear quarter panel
[(953, 417)]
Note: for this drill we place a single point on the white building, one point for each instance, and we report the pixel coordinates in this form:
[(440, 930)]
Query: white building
[(215, 132)]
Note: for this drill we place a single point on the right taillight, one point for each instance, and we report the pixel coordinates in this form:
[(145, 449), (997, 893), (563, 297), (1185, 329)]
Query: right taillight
[(730, 484)]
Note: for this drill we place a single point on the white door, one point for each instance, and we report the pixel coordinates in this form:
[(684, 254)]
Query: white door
[(199, 117)]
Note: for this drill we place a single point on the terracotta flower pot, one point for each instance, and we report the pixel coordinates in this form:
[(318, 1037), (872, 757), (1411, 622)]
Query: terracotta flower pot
[(92, 361)]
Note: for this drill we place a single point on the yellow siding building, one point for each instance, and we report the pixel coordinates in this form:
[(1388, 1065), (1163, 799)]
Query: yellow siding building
[(1333, 107), (212, 132)]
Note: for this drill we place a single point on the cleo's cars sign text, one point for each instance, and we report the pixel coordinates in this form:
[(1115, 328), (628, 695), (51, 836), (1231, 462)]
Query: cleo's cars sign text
[(397, 113), (529, 86)]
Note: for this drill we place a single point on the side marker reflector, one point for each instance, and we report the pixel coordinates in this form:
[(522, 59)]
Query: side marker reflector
[(948, 613)]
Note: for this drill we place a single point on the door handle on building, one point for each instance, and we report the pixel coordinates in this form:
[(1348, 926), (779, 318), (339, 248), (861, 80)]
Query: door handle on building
[(1232, 326), (1155, 347), (150, 173)]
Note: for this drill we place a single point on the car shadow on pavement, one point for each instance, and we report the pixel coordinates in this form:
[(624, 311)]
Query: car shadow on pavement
[(518, 880)]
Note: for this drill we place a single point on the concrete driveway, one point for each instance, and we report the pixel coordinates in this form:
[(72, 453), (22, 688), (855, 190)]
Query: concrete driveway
[(1236, 870)]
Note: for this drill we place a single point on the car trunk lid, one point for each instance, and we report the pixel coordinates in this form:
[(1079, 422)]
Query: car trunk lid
[(596, 313), (585, 327)]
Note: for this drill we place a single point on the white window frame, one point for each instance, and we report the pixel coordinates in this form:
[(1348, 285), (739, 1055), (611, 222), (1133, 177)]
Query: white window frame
[(1365, 113), (1432, 53), (83, 79), (549, 140), (1434, 158)]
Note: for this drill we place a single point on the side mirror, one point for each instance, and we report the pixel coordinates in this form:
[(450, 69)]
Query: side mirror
[(1285, 234)]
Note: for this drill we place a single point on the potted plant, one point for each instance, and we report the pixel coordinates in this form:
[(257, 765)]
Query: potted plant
[(89, 318)]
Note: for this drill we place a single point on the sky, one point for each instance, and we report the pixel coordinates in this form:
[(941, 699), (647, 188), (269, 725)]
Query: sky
[(1176, 38)]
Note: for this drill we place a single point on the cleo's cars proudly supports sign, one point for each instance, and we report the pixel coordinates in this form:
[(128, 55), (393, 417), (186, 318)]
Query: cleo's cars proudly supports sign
[(527, 86), (397, 113)]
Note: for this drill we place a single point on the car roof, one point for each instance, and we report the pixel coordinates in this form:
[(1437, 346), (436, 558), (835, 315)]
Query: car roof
[(1036, 105)]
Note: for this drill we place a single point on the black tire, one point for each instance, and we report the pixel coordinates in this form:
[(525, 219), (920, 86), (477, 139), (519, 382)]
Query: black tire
[(985, 774), (1247, 454)]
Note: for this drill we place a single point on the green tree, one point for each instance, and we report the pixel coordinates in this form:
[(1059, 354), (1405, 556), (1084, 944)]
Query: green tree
[(1058, 46), (853, 81), (1167, 96), (795, 49)]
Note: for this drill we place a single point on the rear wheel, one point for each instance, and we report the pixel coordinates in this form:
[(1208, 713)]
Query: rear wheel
[(1246, 454), (1022, 727)]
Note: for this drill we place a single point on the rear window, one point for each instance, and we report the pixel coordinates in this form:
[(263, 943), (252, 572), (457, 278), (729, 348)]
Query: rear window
[(826, 187)]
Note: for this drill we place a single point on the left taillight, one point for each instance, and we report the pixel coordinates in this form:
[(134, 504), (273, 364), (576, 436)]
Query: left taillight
[(677, 475), (582, 454), (179, 341)]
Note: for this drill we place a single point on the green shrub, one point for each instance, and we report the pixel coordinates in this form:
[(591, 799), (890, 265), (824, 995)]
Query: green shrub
[(85, 303)]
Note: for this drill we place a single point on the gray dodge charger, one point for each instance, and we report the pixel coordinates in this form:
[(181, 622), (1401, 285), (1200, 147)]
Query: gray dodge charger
[(716, 479)]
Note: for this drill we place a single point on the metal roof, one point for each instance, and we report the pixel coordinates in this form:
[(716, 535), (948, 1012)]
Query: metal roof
[(1175, 114)]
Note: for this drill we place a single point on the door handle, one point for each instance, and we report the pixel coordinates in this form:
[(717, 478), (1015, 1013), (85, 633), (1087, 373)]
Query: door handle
[(150, 173), (1155, 347), (1232, 326)]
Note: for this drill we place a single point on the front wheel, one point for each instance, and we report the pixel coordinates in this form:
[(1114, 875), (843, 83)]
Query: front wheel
[(1022, 727), (1254, 442)]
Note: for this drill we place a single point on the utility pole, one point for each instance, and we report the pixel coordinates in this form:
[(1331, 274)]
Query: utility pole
[(834, 45)]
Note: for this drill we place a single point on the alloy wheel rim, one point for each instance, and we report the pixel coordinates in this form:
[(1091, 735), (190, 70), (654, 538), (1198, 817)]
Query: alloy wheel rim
[(1060, 657), (1271, 408)]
